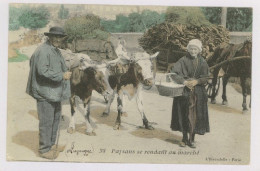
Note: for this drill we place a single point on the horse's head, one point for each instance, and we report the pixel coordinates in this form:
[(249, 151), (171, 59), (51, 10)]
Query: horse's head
[(247, 47)]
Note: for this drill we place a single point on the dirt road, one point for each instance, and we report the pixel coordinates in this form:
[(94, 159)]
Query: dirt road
[(228, 141)]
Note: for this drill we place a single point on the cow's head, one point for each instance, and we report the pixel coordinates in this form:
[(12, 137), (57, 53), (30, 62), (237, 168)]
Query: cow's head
[(144, 61), (95, 79), (118, 69)]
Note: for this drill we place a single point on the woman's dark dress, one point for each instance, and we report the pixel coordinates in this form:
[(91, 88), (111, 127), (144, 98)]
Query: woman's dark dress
[(185, 69)]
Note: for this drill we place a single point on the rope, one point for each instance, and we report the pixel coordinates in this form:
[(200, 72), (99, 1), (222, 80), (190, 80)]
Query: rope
[(229, 60)]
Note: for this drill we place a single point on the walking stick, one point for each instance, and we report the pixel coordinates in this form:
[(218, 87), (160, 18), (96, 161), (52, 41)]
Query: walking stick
[(57, 138), (58, 132)]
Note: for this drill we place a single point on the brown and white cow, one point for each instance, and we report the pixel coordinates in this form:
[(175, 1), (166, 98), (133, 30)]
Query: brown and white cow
[(130, 83), (85, 78)]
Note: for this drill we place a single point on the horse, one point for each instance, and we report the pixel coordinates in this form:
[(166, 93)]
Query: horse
[(236, 62)]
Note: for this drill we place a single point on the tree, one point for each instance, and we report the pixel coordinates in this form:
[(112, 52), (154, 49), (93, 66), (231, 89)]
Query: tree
[(14, 14), (120, 24), (63, 12), (190, 16), (84, 27), (239, 19), (212, 14), (135, 22), (34, 18), (151, 18)]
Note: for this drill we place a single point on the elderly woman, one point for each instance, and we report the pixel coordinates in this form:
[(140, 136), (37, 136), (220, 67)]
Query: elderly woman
[(190, 111)]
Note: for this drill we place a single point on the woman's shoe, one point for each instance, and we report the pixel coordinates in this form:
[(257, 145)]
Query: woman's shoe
[(182, 144), (192, 145)]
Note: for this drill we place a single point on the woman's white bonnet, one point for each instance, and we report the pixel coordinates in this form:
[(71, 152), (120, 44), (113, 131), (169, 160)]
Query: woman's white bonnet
[(195, 42)]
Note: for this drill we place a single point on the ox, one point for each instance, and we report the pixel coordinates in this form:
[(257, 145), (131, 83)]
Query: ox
[(129, 81), (84, 79)]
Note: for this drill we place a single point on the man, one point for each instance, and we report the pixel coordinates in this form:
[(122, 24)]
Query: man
[(48, 83), (190, 111)]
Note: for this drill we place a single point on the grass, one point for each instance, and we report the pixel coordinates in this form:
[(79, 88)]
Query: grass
[(19, 58)]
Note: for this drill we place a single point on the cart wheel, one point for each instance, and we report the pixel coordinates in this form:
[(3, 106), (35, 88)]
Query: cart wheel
[(209, 88)]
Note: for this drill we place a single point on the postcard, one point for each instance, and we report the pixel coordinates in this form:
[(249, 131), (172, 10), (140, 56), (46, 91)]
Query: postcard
[(143, 84)]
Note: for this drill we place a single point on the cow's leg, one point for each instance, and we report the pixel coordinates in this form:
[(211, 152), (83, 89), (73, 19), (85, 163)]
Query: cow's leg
[(124, 105), (244, 93), (89, 130), (214, 83), (119, 111), (224, 96), (139, 102), (110, 101), (71, 128)]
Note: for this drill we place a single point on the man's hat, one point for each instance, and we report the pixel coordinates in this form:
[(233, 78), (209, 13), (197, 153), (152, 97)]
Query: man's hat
[(55, 31)]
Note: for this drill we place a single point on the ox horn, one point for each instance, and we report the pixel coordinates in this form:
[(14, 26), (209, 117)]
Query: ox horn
[(113, 62), (87, 66), (154, 55), (101, 66), (149, 57)]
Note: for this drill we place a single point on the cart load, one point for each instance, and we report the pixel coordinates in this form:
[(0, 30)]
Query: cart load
[(85, 35), (172, 39)]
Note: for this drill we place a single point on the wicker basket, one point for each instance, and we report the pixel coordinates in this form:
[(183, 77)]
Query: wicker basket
[(169, 88)]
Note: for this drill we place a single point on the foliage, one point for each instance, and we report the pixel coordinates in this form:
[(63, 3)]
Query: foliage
[(14, 14), (152, 18), (33, 18), (97, 34), (19, 58), (121, 24), (213, 14), (189, 16), (63, 12), (134, 22), (239, 19), (84, 27)]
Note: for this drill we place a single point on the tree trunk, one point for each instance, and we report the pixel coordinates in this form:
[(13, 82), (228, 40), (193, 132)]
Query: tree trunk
[(224, 16)]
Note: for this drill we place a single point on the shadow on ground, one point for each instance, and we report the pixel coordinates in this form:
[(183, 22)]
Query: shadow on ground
[(64, 120), (28, 139), (223, 108), (157, 133), (97, 112), (33, 113)]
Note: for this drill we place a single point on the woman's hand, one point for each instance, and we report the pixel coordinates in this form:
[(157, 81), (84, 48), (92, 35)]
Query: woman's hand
[(190, 84)]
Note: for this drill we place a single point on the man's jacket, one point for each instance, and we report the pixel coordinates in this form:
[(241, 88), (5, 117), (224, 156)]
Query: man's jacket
[(45, 81)]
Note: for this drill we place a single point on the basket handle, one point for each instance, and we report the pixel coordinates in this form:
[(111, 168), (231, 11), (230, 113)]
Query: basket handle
[(168, 75)]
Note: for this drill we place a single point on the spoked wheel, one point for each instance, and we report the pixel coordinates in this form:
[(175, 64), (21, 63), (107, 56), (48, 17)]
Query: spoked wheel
[(209, 88)]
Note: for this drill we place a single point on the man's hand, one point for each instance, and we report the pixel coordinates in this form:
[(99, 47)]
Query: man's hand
[(67, 75)]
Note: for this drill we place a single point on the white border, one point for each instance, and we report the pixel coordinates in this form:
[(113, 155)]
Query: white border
[(255, 116)]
